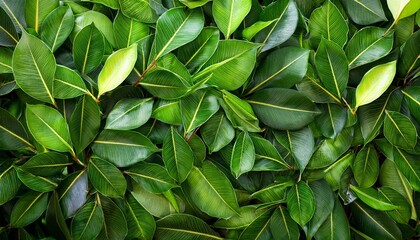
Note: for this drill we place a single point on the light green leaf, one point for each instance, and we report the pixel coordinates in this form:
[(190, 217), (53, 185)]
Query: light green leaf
[(48, 127), (8, 34), (197, 108), (68, 83), (247, 214), (37, 10), (370, 196), (153, 177), (88, 49), (116, 69), (128, 31), (284, 109), (228, 14), (9, 183), (250, 32), (231, 64), (367, 45), (290, 67), (301, 203), (217, 132), (87, 222), (168, 112), (211, 191), (176, 27), (12, 134), (140, 223), (106, 178), (332, 66), (273, 193), (57, 26), (34, 67), (374, 83), (399, 130), (109, 3), (285, 17), (129, 114), (365, 12), (140, 10), (84, 123), (184, 226), (123, 148), (403, 8), (243, 155), (194, 3), (28, 209), (334, 172), (366, 167), (177, 155)]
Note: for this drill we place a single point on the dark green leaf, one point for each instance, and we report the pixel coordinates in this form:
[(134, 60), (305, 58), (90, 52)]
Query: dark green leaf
[(399, 130), (106, 178), (217, 132), (8, 33), (410, 55), (72, 192), (115, 224), (88, 49), (36, 11), (128, 31), (301, 203), (336, 226), (409, 167), (87, 222), (55, 220), (68, 83), (332, 120), (282, 225), (12, 134), (129, 114), (57, 26), (140, 223), (364, 12), (243, 155), (28, 209), (9, 183), (36, 183), (366, 167)]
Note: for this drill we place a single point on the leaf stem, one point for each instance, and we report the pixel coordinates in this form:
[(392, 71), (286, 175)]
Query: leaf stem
[(152, 64), (389, 29), (353, 111)]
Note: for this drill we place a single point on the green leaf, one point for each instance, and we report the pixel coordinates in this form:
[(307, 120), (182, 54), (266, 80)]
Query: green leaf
[(197, 108), (228, 15), (87, 222), (367, 45), (282, 225), (129, 114), (109, 3), (231, 64), (374, 83), (211, 191), (259, 228), (34, 68), (51, 163), (289, 68), (176, 27), (57, 26), (336, 226), (250, 32), (194, 3), (168, 112), (116, 69), (375, 224), (403, 8), (48, 127), (243, 155), (139, 10), (197, 52), (68, 83), (128, 30), (12, 134), (37, 10), (366, 167), (274, 104), (106, 178), (370, 196), (332, 120), (184, 226), (15, 10), (88, 49), (115, 224), (28, 209), (334, 172), (285, 17), (123, 148), (84, 123), (140, 223), (327, 21), (267, 158), (153, 177), (409, 167), (217, 132), (6, 55), (275, 192), (9, 183), (164, 84), (36, 183), (54, 219), (101, 22), (412, 97), (410, 55), (365, 12), (72, 192), (177, 155), (403, 212), (332, 66), (399, 130), (301, 203), (8, 34), (247, 214)]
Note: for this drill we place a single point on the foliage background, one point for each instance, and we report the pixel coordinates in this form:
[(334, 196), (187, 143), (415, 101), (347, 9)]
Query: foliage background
[(198, 119)]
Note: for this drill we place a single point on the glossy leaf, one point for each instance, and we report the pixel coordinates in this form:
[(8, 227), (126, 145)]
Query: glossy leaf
[(139, 10), (370, 196), (57, 26), (282, 225), (140, 223), (9, 183), (269, 104), (336, 225), (300, 203), (399, 130), (106, 178), (267, 158), (374, 83), (412, 96), (364, 12), (34, 67), (366, 167), (211, 191), (177, 155), (164, 84), (243, 155), (55, 220), (408, 166), (228, 15), (72, 192), (116, 69), (167, 112), (55, 132), (88, 49), (123, 148), (100, 20), (12, 134), (128, 31), (68, 83), (115, 224), (36, 183), (8, 33), (410, 55), (247, 214), (217, 132), (87, 222), (259, 228), (403, 212), (403, 8), (15, 10), (6, 60), (129, 114), (36, 11), (28, 209)]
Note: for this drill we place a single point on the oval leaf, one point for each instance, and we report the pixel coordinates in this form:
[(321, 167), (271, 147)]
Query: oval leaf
[(301, 203), (229, 14), (106, 178)]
